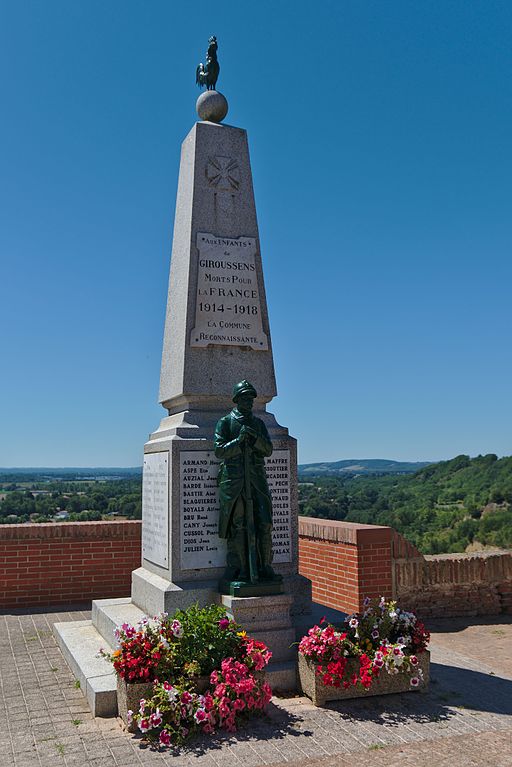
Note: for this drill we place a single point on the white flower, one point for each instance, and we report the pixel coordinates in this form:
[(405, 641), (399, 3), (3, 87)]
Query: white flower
[(353, 623), (415, 681)]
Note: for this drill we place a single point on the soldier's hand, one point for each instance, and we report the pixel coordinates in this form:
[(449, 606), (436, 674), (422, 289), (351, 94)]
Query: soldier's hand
[(243, 434), (251, 432)]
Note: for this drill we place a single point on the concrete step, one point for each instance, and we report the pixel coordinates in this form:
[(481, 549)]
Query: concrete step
[(80, 643), (282, 676), (109, 613)]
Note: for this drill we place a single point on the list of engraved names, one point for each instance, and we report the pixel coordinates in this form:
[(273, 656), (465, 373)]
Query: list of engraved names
[(201, 546), (155, 508), (228, 306)]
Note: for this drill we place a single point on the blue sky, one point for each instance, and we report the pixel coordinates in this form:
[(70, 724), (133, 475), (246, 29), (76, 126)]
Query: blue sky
[(382, 163)]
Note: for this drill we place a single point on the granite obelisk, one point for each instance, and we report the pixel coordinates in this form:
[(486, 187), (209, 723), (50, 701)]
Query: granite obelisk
[(216, 333)]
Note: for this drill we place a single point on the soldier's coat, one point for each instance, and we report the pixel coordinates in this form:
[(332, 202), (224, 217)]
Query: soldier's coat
[(231, 473)]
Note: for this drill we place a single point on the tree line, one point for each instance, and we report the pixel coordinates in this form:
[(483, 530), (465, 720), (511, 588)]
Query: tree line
[(83, 501), (444, 507)]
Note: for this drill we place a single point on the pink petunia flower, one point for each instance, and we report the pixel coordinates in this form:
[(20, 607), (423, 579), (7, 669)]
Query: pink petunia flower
[(165, 738), (177, 629), (415, 681), (156, 718), (144, 725), (200, 715)]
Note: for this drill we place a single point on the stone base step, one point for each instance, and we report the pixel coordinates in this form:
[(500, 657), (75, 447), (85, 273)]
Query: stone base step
[(80, 643), (282, 676), (109, 613)]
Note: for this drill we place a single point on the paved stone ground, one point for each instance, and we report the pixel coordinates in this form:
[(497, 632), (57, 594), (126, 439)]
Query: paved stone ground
[(465, 720)]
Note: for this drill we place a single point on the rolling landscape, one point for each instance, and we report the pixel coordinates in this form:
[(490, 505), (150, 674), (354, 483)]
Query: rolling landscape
[(463, 504)]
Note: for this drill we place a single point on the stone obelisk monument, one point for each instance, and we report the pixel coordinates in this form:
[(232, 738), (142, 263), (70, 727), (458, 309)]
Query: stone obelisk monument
[(217, 333)]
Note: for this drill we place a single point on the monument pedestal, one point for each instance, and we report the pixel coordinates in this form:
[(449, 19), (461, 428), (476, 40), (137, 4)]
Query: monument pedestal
[(216, 333)]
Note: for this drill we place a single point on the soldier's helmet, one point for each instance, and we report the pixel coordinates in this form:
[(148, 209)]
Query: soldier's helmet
[(244, 387)]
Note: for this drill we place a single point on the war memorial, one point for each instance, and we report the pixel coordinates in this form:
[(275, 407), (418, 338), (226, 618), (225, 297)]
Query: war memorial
[(221, 533), (220, 511)]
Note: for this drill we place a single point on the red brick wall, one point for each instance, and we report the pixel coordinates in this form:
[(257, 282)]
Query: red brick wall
[(345, 561), (57, 563)]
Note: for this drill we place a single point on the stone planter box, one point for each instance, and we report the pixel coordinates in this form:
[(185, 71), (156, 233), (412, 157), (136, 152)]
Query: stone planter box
[(129, 695), (313, 687), (128, 699)]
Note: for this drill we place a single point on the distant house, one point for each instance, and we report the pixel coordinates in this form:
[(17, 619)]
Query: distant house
[(60, 515)]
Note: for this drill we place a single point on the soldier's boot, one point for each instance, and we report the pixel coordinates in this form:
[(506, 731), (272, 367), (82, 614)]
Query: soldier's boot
[(266, 571), (236, 560)]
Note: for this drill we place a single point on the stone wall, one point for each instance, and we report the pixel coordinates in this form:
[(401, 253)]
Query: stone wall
[(347, 562), (59, 563), (455, 584)]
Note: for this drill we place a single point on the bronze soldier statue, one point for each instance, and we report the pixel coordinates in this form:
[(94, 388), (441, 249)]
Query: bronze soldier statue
[(242, 443)]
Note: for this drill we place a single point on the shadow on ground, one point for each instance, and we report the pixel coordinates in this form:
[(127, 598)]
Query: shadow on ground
[(276, 724), (451, 691), (455, 625)]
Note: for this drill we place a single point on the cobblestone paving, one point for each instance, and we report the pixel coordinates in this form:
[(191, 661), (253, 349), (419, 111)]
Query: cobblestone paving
[(464, 720)]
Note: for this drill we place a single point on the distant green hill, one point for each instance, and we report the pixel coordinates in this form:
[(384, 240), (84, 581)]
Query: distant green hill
[(443, 507), (361, 466)]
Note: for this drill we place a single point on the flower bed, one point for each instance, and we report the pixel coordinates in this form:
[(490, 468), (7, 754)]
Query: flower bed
[(381, 650), (196, 671)]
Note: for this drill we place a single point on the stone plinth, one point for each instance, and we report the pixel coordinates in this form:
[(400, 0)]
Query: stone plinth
[(268, 620)]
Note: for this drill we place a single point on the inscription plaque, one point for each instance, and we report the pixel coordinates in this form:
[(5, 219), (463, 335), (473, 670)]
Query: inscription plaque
[(201, 546), (278, 476), (228, 306), (200, 543), (155, 508)]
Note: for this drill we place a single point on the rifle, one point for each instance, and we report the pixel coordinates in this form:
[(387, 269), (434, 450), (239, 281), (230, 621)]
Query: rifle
[(249, 516)]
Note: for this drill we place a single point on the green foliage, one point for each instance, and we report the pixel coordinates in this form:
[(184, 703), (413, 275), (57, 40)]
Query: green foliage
[(204, 642), (83, 500), (443, 507)]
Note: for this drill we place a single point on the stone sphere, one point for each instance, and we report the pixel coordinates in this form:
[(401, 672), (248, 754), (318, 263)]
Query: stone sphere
[(212, 106)]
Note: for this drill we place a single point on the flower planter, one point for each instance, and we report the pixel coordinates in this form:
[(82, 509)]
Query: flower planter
[(128, 698), (384, 684), (129, 695)]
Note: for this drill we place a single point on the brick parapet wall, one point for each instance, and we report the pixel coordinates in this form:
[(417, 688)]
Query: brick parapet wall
[(345, 561), (61, 563)]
